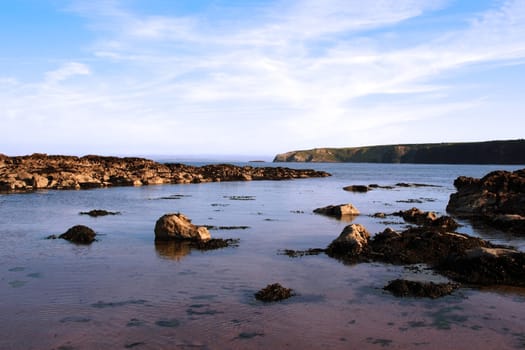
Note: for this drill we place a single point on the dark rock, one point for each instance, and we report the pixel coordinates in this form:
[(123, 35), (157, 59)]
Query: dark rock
[(99, 212), (79, 234), (379, 215), (498, 198), (338, 210), (406, 288), (274, 292), (357, 188), (486, 266)]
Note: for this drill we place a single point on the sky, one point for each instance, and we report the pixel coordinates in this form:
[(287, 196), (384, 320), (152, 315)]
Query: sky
[(257, 77)]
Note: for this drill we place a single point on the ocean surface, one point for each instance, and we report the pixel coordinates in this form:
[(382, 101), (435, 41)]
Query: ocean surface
[(124, 291)]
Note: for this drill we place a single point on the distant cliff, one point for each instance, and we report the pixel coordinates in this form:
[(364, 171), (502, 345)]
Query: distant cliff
[(490, 152)]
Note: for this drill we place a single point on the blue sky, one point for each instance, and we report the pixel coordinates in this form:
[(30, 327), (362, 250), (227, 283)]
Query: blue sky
[(256, 77)]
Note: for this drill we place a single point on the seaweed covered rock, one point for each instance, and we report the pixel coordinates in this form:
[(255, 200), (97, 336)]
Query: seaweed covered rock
[(420, 289), (338, 210), (179, 227), (486, 266), (498, 198), (79, 234), (274, 292)]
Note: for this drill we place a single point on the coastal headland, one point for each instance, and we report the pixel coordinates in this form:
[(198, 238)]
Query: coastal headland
[(489, 152), (42, 171)]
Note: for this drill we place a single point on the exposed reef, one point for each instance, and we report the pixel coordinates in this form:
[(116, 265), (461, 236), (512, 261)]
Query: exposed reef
[(490, 152), (42, 171)]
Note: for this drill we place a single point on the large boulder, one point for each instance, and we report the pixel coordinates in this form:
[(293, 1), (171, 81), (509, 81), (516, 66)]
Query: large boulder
[(338, 210), (351, 242), (179, 227), (498, 198)]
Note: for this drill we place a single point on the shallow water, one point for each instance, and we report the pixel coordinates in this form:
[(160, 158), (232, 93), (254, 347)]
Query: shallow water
[(124, 291)]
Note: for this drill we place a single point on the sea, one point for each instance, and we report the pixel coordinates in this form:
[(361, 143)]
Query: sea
[(124, 291)]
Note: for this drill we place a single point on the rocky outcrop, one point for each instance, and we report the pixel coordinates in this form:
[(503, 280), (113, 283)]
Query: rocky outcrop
[(498, 199), (179, 227), (459, 256), (41, 171), (490, 152), (339, 210), (99, 212)]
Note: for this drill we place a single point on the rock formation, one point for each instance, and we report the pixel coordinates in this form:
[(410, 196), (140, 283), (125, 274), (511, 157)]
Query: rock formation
[(41, 171), (352, 240), (498, 199), (179, 227)]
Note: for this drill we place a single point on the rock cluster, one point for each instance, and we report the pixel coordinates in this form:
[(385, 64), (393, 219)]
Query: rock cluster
[(498, 198), (41, 171), (428, 218)]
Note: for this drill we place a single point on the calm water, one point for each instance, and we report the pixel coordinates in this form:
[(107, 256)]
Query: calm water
[(125, 292)]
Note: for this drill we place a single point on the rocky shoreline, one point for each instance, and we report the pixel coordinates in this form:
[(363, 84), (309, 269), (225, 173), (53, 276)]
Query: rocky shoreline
[(42, 171)]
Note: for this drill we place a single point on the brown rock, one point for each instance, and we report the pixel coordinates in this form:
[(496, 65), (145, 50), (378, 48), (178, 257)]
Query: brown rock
[(338, 210), (179, 227), (351, 242)]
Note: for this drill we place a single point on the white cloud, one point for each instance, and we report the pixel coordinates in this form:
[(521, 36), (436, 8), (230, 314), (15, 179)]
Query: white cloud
[(293, 71), (67, 71)]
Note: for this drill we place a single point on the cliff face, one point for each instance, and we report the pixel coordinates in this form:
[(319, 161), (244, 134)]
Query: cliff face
[(40, 171), (490, 152)]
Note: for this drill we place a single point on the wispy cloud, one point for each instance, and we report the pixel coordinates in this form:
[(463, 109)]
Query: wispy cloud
[(296, 71)]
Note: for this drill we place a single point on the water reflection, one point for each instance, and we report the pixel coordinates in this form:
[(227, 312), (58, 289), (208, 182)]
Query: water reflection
[(173, 250)]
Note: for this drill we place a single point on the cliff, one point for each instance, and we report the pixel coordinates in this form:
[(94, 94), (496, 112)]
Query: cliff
[(42, 171), (490, 152)]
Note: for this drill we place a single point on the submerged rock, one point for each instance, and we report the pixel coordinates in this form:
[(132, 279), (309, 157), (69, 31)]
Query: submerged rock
[(420, 289), (338, 210), (99, 212), (357, 188), (274, 292), (79, 234), (179, 227)]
